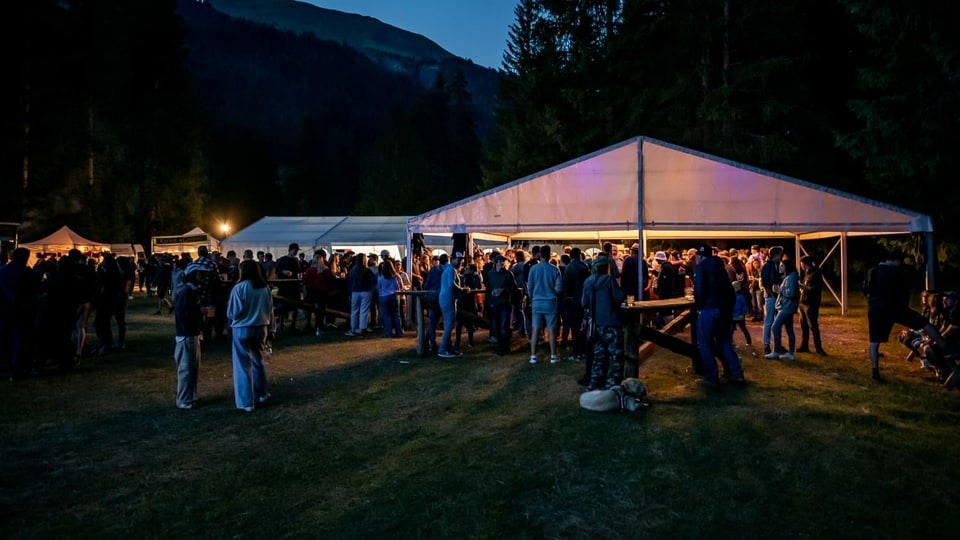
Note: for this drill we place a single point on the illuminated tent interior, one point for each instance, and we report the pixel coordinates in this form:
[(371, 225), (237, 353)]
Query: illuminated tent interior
[(647, 189), (63, 240), (187, 242)]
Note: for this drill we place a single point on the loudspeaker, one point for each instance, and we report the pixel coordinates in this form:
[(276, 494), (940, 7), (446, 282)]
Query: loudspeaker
[(459, 243)]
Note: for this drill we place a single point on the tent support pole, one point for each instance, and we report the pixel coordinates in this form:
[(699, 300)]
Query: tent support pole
[(641, 233), (844, 277), (931, 261)]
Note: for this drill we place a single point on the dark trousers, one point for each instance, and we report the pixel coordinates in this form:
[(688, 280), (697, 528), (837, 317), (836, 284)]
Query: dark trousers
[(810, 323), (500, 325)]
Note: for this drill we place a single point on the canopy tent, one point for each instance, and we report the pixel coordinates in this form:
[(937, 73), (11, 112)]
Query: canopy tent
[(127, 250), (187, 242), (367, 233), (63, 240), (646, 189)]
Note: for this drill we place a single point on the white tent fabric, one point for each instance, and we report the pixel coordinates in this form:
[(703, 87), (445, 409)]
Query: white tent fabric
[(63, 240), (274, 233), (187, 242), (673, 191), (645, 189)]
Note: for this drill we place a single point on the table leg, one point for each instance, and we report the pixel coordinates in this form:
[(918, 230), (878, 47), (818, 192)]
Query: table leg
[(421, 339)]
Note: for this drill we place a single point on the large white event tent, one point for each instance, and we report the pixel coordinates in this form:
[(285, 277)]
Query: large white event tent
[(367, 233), (648, 189)]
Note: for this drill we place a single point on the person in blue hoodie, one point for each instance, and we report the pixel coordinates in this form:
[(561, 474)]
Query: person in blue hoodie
[(788, 302)]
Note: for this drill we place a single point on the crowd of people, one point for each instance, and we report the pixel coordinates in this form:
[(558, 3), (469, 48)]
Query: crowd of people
[(566, 301)]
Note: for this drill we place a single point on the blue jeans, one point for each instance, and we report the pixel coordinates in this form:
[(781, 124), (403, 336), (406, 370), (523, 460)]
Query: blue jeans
[(390, 311), (449, 310), (783, 319), (713, 339), (769, 310), (249, 376), (500, 325)]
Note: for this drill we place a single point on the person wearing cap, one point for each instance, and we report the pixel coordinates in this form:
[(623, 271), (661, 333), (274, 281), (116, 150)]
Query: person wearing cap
[(288, 268), (714, 300), (544, 287), (450, 291), (602, 297), (888, 302), (208, 281), (811, 293), (770, 279)]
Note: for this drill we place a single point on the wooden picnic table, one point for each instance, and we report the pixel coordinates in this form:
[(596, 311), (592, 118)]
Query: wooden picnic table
[(418, 296), (664, 337)]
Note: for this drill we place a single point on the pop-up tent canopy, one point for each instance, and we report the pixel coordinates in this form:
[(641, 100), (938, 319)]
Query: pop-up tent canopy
[(63, 240), (367, 233), (127, 250), (648, 189), (187, 242)]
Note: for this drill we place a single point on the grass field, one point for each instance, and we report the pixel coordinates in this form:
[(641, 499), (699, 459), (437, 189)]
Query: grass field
[(364, 438)]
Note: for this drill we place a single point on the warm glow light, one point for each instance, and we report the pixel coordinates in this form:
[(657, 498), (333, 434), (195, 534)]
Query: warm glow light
[(225, 228)]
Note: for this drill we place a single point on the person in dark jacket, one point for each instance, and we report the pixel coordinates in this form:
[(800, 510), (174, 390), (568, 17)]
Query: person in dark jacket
[(888, 302), (501, 287), (575, 274), (188, 316), (714, 300), (603, 296), (19, 286), (811, 293)]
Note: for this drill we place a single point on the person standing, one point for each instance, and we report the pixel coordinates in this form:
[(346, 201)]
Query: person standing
[(573, 278), (770, 280), (109, 292), (714, 300), (788, 300), (811, 294), (501, 287), (19, 287), (888, 302), (207, 281), (388, 284), (288, 269), (450, 292), (188, 317), (360, 283), (602, 297), (250, 310), (544, 287)]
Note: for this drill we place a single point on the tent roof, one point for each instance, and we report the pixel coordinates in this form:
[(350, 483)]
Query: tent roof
[(670, 190), (277, 232), (65, 239)]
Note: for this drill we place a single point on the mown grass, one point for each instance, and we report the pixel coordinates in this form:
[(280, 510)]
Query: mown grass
[(364, 438)]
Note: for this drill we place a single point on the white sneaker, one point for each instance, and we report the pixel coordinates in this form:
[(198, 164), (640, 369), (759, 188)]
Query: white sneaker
[(554, 359), (771, 356), (787, 356), (533, 359)]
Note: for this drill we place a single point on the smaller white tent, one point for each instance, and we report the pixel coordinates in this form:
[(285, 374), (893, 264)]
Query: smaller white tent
[(187, 242), (63, 240), (273, 234)]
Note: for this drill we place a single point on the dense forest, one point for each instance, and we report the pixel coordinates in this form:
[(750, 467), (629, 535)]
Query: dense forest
[(126, 119)]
